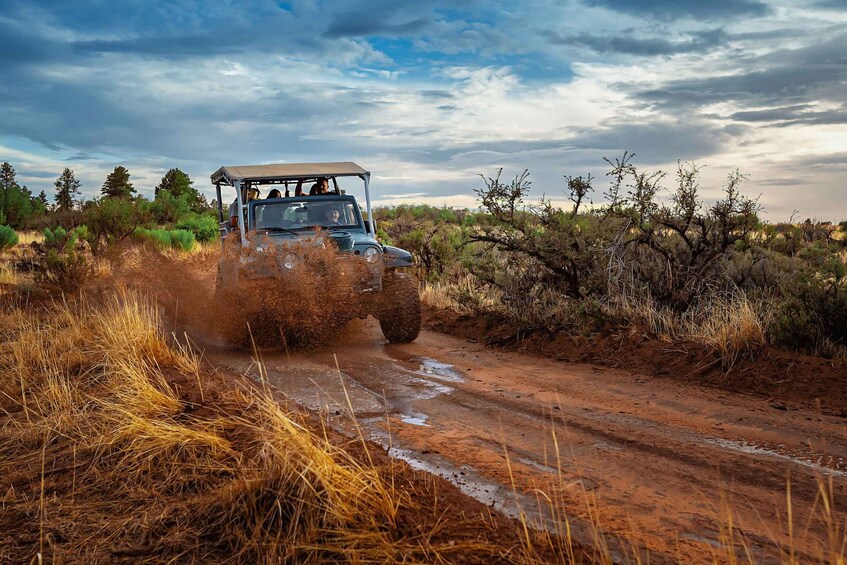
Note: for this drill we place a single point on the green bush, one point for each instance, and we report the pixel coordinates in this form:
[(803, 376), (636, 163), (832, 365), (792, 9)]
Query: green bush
[(204, 228), (114, 219), (812, 314), (182, 239), (8, 237), (167, 208), (61, 262), (156, 237), (164, 239)]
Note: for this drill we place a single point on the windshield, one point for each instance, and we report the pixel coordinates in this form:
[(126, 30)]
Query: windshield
[(294, 215)]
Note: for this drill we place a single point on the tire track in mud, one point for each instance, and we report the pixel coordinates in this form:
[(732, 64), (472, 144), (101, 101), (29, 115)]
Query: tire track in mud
[(658, 460)]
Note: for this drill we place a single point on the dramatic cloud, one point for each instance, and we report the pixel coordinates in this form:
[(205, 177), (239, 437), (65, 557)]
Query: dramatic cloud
[(430, 94), (695, 9), (648, 47)]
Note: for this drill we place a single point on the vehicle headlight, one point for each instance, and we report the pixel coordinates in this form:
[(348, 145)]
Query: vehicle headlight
[(290, 261), (371, 255)]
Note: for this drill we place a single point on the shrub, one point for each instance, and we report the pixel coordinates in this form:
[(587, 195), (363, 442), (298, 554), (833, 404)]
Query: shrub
[(812, 314), (167, 208), (165, 239), (8, 237), (182, 239), (61, 262), (157, 238), (204, 228), (112, 220)]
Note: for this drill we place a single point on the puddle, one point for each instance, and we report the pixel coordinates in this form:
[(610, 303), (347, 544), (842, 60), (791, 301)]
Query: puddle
[(443, 371), (429, 389), (537, 465), (415, 419), (827, 465), (701, 539), (512, 504), (606, 446)]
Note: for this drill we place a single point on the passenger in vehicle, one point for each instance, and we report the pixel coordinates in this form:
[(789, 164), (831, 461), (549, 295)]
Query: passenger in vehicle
[(275, 193), (298, 190), (331, 217), (320, 187), (252, 194)]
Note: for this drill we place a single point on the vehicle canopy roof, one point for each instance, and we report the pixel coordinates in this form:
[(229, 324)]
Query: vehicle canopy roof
[(274, 173)]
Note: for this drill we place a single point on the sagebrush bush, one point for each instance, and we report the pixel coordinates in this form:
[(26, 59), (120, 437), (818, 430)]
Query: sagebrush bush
[(8, 237), (111, 220), (678, 267), (61, 262), (812, 314)]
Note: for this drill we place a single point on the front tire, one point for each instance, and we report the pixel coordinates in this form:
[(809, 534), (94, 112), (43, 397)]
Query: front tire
[(400, 316)]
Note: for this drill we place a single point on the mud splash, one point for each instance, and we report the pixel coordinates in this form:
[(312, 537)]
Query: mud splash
[(308, 306)]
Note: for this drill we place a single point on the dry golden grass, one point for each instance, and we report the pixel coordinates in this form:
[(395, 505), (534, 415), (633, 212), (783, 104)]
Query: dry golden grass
[(8, 274), (28, 237), (730, 326), (91, 391)]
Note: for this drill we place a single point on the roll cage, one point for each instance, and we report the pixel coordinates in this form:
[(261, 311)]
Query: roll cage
[(242, 178)]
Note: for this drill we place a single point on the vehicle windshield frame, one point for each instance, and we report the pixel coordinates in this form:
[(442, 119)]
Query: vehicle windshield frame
[(304, 202)]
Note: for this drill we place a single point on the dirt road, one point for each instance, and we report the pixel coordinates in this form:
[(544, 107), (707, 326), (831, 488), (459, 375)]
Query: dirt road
[(657, 463)]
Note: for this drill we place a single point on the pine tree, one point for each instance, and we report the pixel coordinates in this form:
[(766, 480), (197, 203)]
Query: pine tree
[(179, 185), (15, 205), (42, 198), (7, 177), (67, 187), (117, 184)]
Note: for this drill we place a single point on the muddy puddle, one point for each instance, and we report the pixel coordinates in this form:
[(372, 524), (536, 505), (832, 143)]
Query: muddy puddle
[(403, 386), (828, 465)]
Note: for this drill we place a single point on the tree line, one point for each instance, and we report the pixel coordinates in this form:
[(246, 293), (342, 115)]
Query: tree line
[(174, 198)]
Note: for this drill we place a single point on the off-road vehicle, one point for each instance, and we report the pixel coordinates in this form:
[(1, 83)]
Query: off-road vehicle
[(285, 226)]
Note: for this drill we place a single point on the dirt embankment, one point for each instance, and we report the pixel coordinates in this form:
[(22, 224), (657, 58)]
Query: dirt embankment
[(788, 380)]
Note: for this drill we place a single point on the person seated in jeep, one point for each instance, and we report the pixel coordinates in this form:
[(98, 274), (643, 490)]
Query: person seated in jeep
[(320, 187), (252, 194), (331, 216)]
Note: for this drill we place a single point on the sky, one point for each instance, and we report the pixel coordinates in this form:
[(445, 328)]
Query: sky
[(429, 95)]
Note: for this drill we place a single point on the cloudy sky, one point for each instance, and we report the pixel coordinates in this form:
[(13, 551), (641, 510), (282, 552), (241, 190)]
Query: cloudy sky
[(430, 94)]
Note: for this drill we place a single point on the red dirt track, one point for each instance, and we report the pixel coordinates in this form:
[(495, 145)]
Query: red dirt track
[(660, 461)]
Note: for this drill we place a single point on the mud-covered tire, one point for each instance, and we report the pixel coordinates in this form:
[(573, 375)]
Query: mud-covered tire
[(400, 315)]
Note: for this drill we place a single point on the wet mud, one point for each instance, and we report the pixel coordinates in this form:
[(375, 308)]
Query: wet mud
[(661, 464)]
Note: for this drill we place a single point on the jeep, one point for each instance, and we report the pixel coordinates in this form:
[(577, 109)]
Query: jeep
[(282, 227)]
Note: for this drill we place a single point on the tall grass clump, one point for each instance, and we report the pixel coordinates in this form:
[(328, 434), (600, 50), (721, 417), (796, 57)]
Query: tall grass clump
[(111, 450), (181, 240)]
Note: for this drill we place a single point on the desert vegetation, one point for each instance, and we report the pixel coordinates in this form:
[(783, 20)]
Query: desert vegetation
[(119, 446), (652, 256), (119, 443)]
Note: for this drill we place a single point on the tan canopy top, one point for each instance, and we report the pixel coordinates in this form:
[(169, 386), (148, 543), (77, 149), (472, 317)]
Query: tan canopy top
[(262, 174)]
